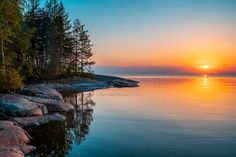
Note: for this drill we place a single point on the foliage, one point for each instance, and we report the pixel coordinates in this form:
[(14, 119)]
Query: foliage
[(39, 43), (10, 80), (82, 48), (9, 18)]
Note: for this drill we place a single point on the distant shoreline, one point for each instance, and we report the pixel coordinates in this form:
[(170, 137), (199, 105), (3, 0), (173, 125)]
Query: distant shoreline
[(172, 76)]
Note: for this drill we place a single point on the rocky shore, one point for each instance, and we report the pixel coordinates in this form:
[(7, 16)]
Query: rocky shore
[(39, 104)]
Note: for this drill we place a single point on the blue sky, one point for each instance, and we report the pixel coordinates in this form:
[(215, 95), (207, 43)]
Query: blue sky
[(122, 30)]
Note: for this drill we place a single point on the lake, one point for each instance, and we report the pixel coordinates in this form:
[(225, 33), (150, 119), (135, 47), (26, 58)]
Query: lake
[(164, 117)]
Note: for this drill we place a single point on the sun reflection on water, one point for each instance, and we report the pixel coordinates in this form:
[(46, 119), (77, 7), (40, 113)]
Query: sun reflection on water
[(205, 81)]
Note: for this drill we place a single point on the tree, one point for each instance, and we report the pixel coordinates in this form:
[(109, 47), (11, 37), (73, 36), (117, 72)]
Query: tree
[(20, 46), (77, 30), (35, 41), (85, 53), (82, 48), (64, 37), (33, 21), (9, 18), (52, 9)]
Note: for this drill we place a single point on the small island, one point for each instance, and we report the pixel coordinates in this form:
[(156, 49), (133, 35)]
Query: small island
[(43, 54)]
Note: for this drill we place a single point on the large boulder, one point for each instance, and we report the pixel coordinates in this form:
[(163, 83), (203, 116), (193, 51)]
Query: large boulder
[(51, 104), (13, 140), (11, 135), (42, 91), (16, 151), (16, 106), (30, 122)]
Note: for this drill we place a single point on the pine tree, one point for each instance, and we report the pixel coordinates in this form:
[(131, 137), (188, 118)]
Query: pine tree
[(86, 53), (65, 43), (77, 30), (82, 48), (36, 40), (32, 21), (51, 8), (59, 34)]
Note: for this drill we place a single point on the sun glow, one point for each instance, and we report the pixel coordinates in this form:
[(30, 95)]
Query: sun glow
[(205, 67)]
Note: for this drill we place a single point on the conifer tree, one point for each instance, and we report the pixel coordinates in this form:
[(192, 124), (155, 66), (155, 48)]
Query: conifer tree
[(77, 30), (82, 48), (38, 40), (65, 43)]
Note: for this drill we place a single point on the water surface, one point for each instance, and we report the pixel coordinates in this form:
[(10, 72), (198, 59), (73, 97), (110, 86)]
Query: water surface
[(166, 117)]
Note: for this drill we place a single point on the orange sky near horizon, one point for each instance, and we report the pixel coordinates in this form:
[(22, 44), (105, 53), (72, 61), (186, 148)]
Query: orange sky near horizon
[(191, 50), (158, 33)]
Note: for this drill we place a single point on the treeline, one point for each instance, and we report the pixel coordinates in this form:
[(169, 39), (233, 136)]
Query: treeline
[(40, 42)]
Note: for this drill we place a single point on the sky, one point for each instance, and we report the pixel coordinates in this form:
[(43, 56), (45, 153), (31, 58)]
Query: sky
[(159, 36)]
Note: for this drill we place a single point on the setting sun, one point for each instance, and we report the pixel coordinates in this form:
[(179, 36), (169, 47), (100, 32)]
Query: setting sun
[(205, 67)]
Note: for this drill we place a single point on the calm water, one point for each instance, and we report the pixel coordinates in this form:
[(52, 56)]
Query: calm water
[(164, 117)]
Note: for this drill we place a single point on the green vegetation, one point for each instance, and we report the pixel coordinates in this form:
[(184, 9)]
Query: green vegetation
[(40, 43)]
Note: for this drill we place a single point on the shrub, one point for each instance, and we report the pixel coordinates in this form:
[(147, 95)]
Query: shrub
[(10, 80)]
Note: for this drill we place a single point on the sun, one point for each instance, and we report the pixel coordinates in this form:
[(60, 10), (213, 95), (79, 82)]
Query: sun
[(204, 67)]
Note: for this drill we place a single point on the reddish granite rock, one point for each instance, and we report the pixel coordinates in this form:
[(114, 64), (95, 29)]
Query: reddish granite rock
[(16, 106), (51, 104), (16, 151), (42, 91), (11, 134), (12, 140)]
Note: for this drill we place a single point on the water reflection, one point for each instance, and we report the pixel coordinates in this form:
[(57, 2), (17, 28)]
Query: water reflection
[(83, 115), (205, 81), (56, 139), (174, 116)]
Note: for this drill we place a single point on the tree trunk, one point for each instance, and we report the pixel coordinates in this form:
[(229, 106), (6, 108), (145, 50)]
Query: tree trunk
[(76, 58), (3, 57)]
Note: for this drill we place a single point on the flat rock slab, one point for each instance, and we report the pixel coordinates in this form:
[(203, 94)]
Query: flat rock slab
[(51, 104), (116, 81), (123, 83), (84, 85), (15, 106), (77, 84), (30, 122), (42, 91), (16, 151)]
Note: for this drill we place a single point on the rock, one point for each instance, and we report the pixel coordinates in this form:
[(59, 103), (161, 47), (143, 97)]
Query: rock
[(42, 91), (30, 122), (11, 152), (116, 81), (123, 83), (51, 104), (76, 84), (16, 151), (12, 140), (15, 106), (11, 135), (89, 85), (61, 86)]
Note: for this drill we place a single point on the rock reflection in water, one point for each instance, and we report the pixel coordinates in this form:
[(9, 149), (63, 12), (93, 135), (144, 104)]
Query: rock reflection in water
[(56, 139)]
